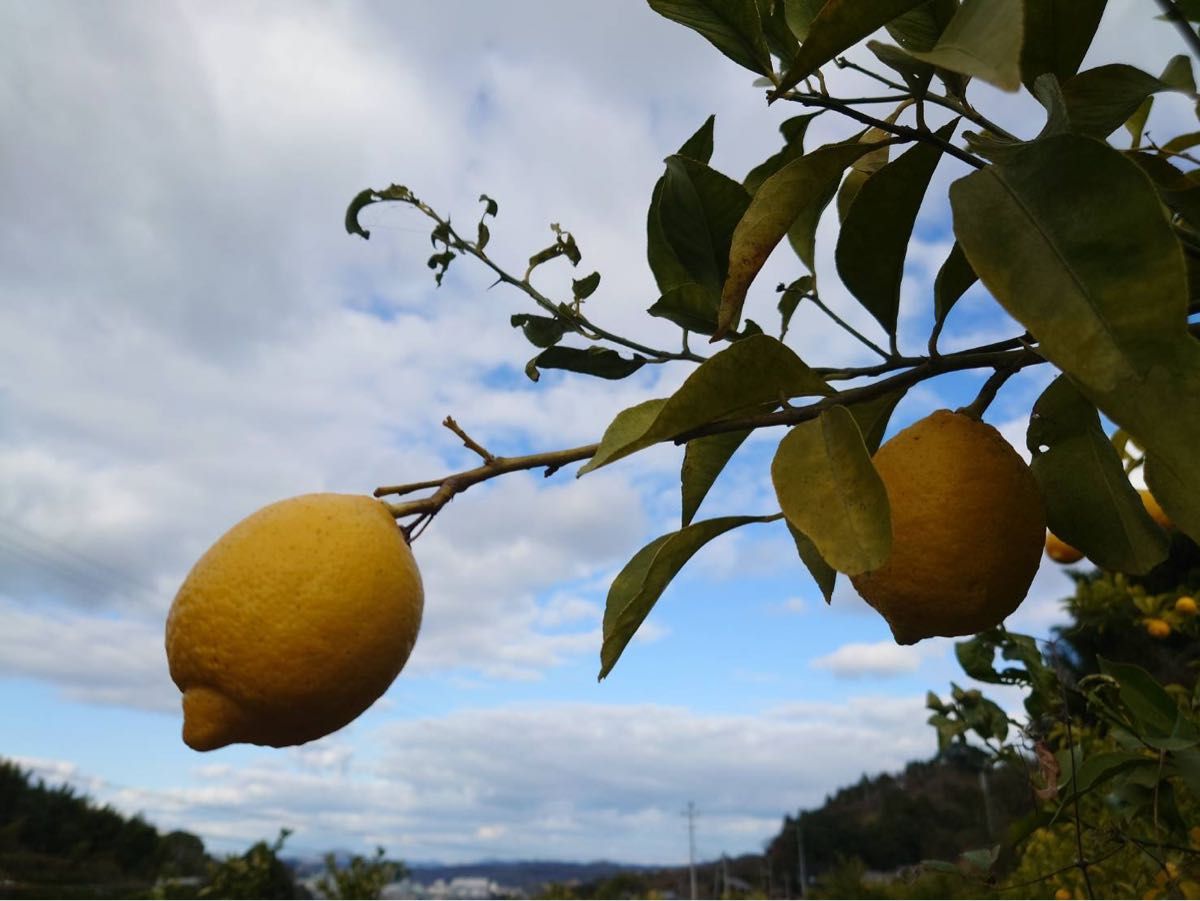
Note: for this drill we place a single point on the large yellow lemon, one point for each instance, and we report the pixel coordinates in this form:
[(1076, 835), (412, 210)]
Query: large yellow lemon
[(294, 622), (967, 529), (1061, 552)]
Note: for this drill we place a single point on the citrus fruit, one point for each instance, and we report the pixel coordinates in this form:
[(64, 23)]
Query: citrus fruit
[(1061, 552), (1186, 606), (294, 622), (1157, 628), (967, 529), (1156, 512)]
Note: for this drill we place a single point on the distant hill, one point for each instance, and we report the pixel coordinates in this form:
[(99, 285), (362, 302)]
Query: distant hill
[(527, 875)]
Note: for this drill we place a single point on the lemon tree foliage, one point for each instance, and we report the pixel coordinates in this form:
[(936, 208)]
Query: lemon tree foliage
[(1086, 233)]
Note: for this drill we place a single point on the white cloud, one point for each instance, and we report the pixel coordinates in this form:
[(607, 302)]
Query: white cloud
[(879, 659)]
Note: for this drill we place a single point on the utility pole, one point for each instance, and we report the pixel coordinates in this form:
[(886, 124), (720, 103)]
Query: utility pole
[(690, 813), (724, 875), (800, 854)]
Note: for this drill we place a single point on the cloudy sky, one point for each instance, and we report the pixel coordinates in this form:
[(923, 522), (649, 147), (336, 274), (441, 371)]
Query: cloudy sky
[(188, 333)]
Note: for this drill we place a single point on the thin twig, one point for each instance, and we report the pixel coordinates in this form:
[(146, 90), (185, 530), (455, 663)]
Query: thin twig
[(987, 393), (1080, 860), (468, 441), (902, 131), (816, 299), (1179, 20)]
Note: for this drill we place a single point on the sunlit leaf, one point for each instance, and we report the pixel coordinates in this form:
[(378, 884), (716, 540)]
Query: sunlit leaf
[(920, 28), (756, 371), (874, 238), (837, 27), (1057, 36), (1090, 503), (828, 489), (640, 584), (983, 40), (1019, 224), (732, 26), (779, 202), (703, 460)]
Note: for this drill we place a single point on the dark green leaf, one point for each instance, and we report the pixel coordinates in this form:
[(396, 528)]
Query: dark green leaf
[(699, 210), (640, 584), (1175, 188), (823, 574), (828, 488), (1136, 124), (1097, 769), (838, 26), (668, 271), (1019, 224), (873, 415), (799, 15), (601, 362), (1090, 503), (793, 134), (789, 299), (874, 238), (952, 282), (703, 460), (1057, 36), (747, 375), (1154, 710), (865, 166), (940, 866), (699, 146), (1100, 100), (484, 236), (780, 39), (776, 206), (689, 306), (732, 26), (983, 40), (1049, 94), (363, 198), (919, 28), (583, 288), (491, 208), (542, 331), (915, 73)]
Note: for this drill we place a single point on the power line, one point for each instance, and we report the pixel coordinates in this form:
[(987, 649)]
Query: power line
[(690, 813)]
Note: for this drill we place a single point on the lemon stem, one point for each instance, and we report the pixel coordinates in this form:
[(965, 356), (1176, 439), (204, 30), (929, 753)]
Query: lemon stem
[(976, 408)]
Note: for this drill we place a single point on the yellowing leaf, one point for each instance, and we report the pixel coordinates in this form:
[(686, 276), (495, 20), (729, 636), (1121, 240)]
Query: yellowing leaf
[(983, 40), (829, 490)]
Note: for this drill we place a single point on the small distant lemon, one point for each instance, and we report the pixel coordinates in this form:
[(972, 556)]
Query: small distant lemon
[(1156, 512), (294, 622), (1061, 552), (1063, 894), (1186, 606), (1157, 628), (967, 529)]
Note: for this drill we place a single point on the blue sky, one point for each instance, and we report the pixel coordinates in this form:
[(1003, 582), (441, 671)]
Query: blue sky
[(187, 333)]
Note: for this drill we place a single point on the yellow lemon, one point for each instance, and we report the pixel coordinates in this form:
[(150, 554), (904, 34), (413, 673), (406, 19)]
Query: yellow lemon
[(294, 622), (1061, 552), (967, 529), (1186, 606), (1157, 628)]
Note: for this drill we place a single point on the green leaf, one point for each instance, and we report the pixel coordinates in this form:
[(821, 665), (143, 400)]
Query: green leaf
[(1136, 124), (699, 146), (732, 26), (1090, 503), (1096, 769), (780, 39), (866, 165), (754, 372), (597, 361), (1019, 224), (690, 306), (699, 210), (1154, 710), (583, 288), (799, 15), (793, 131), (952, 282), (362, 199), (837, 27), (640, 584), (668, 271), (789, 299), (542, 331), (915, 73), (775, 207), (983, 40), (1057, 36), (823, 574), (920, 28), (703, 460), (828, 488), (873, 416), (874, 238), (1100, 100), (1175, 188)]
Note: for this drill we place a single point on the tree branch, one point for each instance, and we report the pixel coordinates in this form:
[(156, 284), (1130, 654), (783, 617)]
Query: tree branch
[(1179, 20)]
